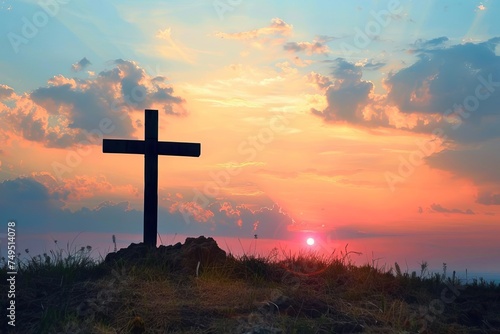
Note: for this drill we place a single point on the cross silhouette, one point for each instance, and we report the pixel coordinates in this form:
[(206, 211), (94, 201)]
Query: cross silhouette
[(151, 148)]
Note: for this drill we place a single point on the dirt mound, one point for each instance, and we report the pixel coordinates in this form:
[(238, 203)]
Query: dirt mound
[(184, 257)]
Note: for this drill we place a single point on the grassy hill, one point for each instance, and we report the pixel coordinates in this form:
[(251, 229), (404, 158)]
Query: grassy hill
[(69, 292)]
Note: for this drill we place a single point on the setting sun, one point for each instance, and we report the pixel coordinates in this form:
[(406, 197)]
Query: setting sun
[(310, 241)]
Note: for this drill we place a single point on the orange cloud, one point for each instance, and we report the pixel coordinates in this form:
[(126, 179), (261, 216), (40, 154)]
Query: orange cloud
[(277, 27), (192, 209), (83, 187), (68, 111)]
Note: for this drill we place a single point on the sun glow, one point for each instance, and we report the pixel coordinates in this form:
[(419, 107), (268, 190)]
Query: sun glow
[(310, 241)]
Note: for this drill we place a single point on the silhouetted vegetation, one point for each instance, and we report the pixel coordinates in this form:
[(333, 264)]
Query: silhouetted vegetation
[(69, 292)]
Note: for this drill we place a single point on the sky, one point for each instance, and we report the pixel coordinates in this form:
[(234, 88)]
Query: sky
[(346, 120)]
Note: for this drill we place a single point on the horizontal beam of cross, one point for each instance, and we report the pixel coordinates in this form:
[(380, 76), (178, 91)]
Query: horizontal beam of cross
[(139, 147)]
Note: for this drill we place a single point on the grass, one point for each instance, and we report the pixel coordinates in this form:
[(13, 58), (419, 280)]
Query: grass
[(66, 291)]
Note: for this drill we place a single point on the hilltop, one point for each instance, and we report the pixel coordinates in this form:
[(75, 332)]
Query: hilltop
[(196, 287)]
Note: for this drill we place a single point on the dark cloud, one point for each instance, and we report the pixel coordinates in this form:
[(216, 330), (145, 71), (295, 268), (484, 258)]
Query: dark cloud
[(83, 108), (27, 201), (480, 162), (353, 232), (23, 189), (440, 209), (81, 65), (33, 129), (222, 218), (226, 218), (455, 88), (348, 94), (5, 92), (142, 96), (448, 77), (459, 86), (425, 44), (73, 108), (308, 47), (488, 198)]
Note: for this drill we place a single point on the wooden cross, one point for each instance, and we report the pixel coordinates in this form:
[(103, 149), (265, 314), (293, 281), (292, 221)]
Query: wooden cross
[(151, 148)]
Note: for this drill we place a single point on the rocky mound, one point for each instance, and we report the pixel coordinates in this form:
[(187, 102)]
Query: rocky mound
[(178, 257)]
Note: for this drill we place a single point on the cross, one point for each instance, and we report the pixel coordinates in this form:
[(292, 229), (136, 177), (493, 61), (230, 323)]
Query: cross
[(151, 148)]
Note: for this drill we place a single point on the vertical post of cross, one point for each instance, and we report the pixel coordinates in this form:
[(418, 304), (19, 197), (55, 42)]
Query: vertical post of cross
[(151, 178)]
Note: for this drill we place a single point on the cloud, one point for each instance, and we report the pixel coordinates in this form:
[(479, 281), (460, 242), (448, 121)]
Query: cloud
[(479, 162), (64, 112), (318, 80), (347, 96), (192, 209), (307, 47), (339, 175), (481, 7), (19, 194), (25, 120), (226, 218), (23, 189), (488, 198), (352, 232), (81, 187), (172, 47), (48, 212), (454, 88), (450, 82), (373, 65), (422, 44), (5, 92), (440, 209), (165, 34), (277, 27), (81, 65), (234, 165)]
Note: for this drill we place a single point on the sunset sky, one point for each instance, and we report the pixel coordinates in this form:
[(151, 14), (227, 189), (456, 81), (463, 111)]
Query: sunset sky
[(347, 120)]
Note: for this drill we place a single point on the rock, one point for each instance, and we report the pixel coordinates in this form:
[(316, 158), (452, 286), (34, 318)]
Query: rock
[(204, 250), (132, 253), (183, 257)]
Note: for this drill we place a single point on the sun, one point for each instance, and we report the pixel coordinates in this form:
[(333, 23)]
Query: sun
[(310, 241)]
